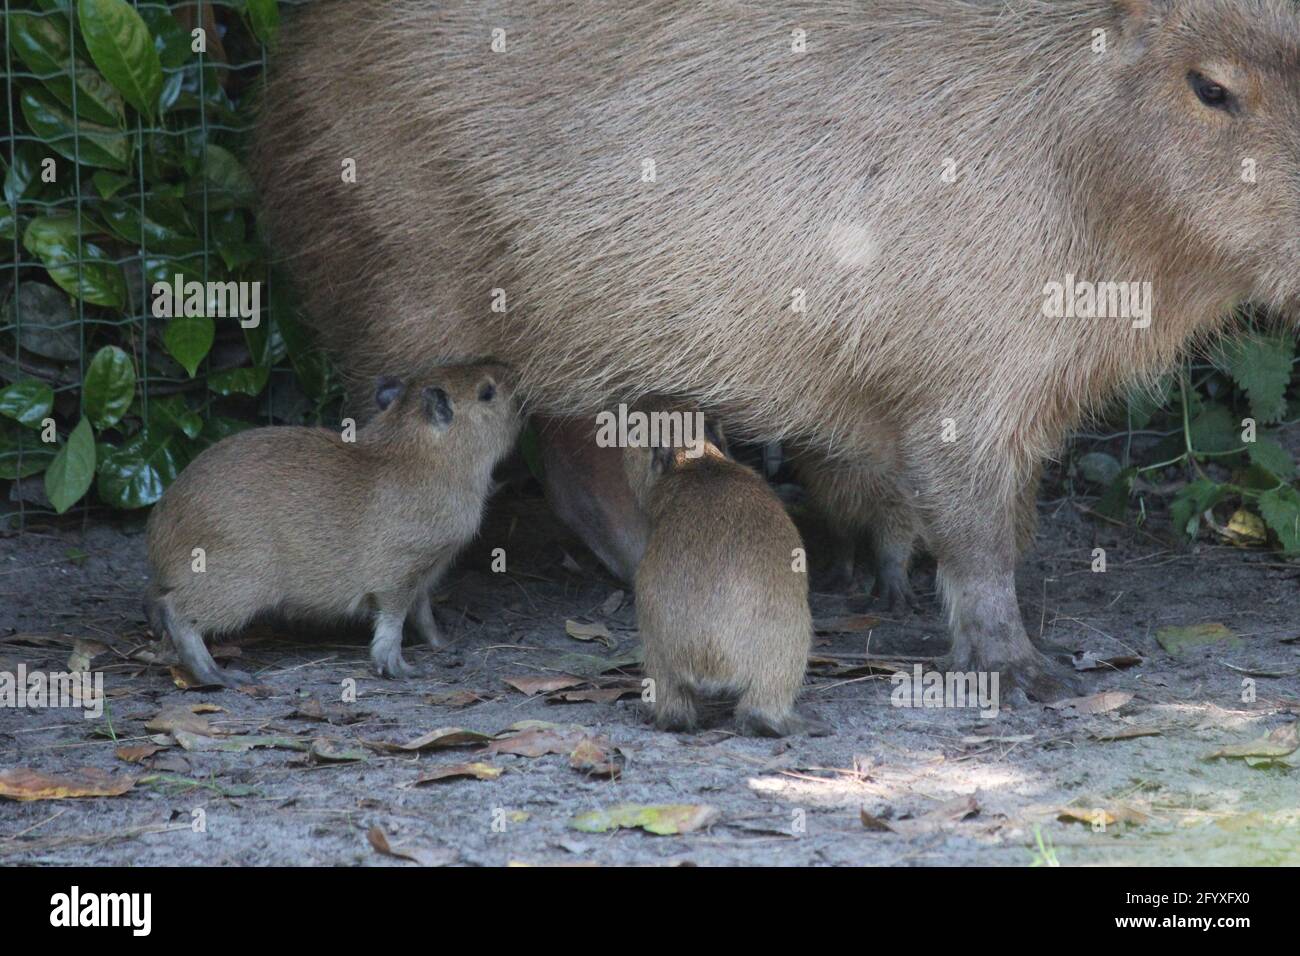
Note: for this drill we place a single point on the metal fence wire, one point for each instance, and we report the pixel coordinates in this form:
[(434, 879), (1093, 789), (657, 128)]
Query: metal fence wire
[(124, 124)]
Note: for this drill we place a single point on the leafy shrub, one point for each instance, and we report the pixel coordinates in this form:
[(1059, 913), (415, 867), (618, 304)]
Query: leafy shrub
[(121, 171)]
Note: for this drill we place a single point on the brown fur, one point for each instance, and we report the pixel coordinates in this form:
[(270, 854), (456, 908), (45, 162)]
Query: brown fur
[(298, 521), (778, 171), (720, 607)]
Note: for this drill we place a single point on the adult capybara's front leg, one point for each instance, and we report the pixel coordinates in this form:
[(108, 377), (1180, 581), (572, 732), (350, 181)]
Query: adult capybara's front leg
[(587, 489), (973, 523)]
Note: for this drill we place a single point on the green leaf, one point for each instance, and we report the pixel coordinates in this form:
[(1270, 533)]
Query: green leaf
[(165, 227), (1215, 430), (21, 456), (73, 469), (8, 224), (137, 472), (23, 172), (228, 183), (1261, 366), (109, 184), (1280, 510), (43, 43), (54, 240), (189, 339), (28, 403), (169, 38), (1273, 458), (109, 387), (265, 19), (79, 140), (123, 49), (1191, 502), (172, 414), (239, 381)]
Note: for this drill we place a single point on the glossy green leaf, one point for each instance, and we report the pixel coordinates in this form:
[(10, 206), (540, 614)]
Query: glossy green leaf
[(88, 143), (227, 183), (109, 184), (169, 38), (189, 339), (122, 47), (264, 15), (28, 403), (24, 172), (43, 44), (163, 228), (97, 281), (109, 387), (70, 474), (22, 454), (136, 473)]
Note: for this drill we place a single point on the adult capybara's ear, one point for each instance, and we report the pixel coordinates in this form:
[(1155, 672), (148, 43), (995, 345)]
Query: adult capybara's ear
[(388, 389), (437, 406)]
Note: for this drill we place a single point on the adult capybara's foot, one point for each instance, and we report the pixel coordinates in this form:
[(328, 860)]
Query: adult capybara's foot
[(1041, 678)]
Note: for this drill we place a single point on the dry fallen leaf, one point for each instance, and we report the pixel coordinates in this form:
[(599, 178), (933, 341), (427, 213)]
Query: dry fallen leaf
[(1095, 703), (596, 757), (478, 770), (1107, 816), (541, 684), (1180, 640), (329, 750), (136, 753), (1282, 742), (438, 739), (1127, 733), (170, 719), (537, 743), (25, 784), (612, 604), (661, 819), (238, 744), (457, 698), (593, 695), (589, 632), (874, 823), (1087, 661), (424, 856)]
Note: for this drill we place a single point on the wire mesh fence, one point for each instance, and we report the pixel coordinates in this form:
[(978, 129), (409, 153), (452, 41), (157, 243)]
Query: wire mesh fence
[(141, 317)]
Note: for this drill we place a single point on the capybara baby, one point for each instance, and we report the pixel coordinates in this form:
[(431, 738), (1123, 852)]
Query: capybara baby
[(848, 224), (300, 522), (721, 591)]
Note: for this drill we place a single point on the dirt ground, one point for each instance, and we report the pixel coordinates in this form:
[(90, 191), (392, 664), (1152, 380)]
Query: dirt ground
[(891, 786)]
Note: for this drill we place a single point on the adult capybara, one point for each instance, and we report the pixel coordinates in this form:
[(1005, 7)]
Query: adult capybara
[(843, 223)]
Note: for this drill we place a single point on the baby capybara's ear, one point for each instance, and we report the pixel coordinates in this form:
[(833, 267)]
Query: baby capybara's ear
[(437, 406), (388, 390)]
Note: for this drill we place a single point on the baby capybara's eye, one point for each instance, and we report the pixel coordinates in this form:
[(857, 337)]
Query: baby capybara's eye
[(487, 391)]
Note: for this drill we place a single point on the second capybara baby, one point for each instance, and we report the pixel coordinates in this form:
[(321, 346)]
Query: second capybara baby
[(721, 590), (300, 522)]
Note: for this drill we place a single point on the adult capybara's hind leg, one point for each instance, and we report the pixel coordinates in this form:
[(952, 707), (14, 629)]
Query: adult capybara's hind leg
[(587, 489)]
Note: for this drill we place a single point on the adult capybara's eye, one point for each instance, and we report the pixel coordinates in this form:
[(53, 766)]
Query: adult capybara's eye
[(487, 391), (1214, 95)]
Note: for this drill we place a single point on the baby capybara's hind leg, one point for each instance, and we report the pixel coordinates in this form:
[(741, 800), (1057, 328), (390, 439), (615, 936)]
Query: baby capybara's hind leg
[(587, 489), (188, 642)]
